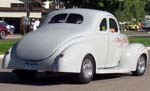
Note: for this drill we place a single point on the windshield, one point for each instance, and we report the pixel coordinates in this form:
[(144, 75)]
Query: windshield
[(67, 18)]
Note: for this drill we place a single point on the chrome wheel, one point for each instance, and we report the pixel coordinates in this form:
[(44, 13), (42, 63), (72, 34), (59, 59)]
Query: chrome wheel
[(87, 70), (141, 66)]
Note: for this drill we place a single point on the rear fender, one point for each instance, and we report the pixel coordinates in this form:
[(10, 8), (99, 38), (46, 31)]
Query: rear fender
[(70, 60)]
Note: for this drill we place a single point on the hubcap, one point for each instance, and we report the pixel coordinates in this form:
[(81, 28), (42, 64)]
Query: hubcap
[(141, 64), (87, 68)]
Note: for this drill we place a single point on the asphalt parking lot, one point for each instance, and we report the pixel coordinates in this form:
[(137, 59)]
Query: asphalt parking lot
[(43, 82), (108, 82)]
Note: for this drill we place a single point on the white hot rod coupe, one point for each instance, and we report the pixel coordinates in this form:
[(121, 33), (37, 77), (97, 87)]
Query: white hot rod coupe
[(80, 41)]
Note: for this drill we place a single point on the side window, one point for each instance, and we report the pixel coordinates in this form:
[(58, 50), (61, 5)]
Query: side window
[(103, 25), (113, 25), (60, 18)]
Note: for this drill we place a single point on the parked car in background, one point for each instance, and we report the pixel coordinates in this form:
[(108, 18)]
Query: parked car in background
[(146, 25), (123, 26), (80, 41), (3, 31), (11, 28), (133, 27)]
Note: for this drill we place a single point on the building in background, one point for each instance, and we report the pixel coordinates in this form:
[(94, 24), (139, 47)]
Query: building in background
[(13, 11), (53, 4)]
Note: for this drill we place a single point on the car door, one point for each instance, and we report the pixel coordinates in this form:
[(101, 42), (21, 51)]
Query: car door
[(114, 50), (100, 41)]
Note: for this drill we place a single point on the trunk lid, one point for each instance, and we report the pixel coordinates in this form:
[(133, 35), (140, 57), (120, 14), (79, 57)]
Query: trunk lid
[(44, 42)]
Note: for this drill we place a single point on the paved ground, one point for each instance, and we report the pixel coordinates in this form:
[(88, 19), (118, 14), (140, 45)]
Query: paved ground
[(113, 82)]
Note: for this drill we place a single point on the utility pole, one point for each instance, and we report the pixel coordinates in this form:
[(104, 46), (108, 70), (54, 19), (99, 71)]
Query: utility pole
[(27, 16), (27, 8), (58, 4)]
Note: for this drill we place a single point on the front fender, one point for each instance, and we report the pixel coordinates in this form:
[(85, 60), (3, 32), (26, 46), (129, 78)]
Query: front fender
[(131, 54), (71, 58)]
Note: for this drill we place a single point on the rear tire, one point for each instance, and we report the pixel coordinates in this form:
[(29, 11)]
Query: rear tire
[(87, 70), (141, 66), (27, 75)]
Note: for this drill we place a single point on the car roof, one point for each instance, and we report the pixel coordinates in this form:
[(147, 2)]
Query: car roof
[(2, 26), (82, 11), (91, 16)]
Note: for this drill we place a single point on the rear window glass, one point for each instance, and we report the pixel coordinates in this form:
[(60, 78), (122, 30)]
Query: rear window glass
[(75, 18), (65, 18), (60, 18)]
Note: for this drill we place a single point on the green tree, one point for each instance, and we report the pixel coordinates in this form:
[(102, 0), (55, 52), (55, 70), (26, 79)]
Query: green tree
[(132, 10), (147, 7), (124, 10)]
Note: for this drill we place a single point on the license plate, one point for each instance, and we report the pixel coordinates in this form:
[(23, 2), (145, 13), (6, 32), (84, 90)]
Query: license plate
[(31, 66)]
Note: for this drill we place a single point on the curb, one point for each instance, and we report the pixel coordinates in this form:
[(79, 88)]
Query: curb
[(14, 36)]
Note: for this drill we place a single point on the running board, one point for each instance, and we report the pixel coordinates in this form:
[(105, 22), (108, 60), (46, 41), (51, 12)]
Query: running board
[(113, 70)]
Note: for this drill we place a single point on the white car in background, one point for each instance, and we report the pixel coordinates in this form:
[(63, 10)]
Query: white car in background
[(81, 41)]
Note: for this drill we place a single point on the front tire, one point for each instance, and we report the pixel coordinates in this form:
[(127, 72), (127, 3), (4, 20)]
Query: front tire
[(27, 75), (2, 35), (141, 66), (87, 70)]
